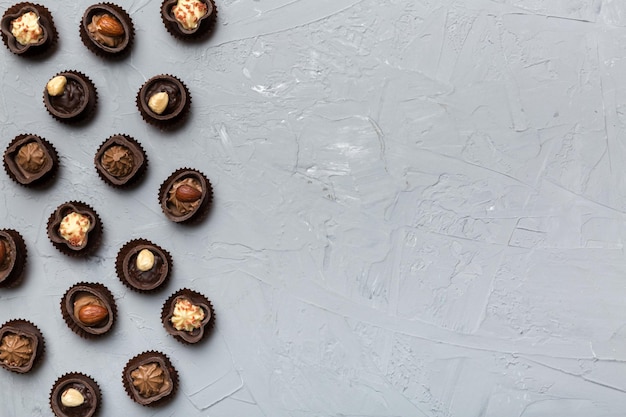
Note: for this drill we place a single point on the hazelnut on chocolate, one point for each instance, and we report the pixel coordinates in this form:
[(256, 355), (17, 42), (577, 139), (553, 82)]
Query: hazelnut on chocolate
[(143, 266), (163, 101), (75, 395)]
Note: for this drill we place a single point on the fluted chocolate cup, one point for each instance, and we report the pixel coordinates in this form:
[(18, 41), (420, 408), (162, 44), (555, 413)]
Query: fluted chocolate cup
[(25, 43)]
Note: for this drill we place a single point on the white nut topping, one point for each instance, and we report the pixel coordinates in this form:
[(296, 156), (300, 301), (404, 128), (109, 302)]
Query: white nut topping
[(158, 102), (71, 397), (56, 86), (145, 260)]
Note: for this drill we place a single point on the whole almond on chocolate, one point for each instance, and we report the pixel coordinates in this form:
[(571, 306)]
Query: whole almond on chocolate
[(110, 26), (92, 315), (187, 193)]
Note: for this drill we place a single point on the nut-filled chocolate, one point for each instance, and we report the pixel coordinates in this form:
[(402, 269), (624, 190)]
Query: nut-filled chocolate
[(163, 101), (13, 256), (120, 161), (88, 309), (189, 19), (107, 30), (75, 395), (188, 316), (185, 196), (70, 97), (30, 160), (21, 346), (143, 266), (28, 29), (74, 228), (150, 379)]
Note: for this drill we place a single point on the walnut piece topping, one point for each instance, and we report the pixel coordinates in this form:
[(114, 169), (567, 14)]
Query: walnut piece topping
[(26, 29), (31, 157), (150, 380), (118, 161), (187, 316), (15, 350), (189, 12), (158, 102), (56, 86), (74, 228)]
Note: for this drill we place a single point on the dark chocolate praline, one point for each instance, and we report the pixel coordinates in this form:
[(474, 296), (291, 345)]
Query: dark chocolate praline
[(179, 101), (92, 235), (139, 277), (77, 101), (21, 346), (120, 161), (111, 38), (13, 256), (203, 28), (65, 403), (44, 19), (155, 369), (196, 299), (88, 294), (30, 160), (185, 210)]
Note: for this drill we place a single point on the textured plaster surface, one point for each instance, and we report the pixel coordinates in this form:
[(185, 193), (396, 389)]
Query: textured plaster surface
[(419, 209)]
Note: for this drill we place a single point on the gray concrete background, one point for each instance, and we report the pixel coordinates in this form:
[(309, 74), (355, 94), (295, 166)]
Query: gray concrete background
[(419, 209)]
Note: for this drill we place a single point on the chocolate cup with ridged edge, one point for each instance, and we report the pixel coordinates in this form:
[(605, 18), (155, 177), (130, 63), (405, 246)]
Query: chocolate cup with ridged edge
[(203, 30), (85, 385), (90, 39), (21, 175), (102, 293), (194, 215), (169, 372), (77, 103), (197, 299), (13, 262), (26, 329), (139, 158), (179, 101), (47, 42), (147, 281), (94, 233)]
